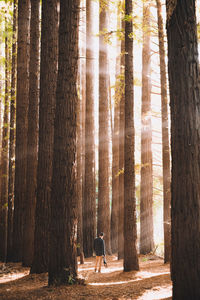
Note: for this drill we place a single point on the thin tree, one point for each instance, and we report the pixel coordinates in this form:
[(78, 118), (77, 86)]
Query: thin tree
[(183, 66), (146, 185), (165, 140), (103, 216), (130, 227), (80, 130), (4, 155), (11, 171), (48, 77), (32, 139), (21, 125), (63, 224), (121, 147), (115, 150), (89, 200)]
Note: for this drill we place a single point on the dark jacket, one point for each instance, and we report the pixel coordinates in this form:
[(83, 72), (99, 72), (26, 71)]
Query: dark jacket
[(99, 246)]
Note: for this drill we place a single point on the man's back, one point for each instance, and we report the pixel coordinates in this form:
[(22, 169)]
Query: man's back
[(99, 247)]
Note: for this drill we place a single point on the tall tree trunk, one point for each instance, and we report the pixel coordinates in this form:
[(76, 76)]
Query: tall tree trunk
[(184, 87), (130, 226), (115, 154), (146, 185), (11, 171), (83, 97), (89, 201), (21, 124), (103, 217), (63, 224), (48, 77), (4, 157), (32, 139), (165, 140), (121, 154), (81, 81)]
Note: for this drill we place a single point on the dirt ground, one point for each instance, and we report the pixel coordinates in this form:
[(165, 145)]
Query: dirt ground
[(151, 282)]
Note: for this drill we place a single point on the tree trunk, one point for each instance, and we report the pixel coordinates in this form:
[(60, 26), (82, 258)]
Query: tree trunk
[(21, 125), (4, 157), (48, 77), (89, 201), (32, 143), (63, 224), (183, 66), (11, 171), (103, 217), (130, 226), (165, 140), (121, 154), (115, 156), (80, 136), (146, 185)]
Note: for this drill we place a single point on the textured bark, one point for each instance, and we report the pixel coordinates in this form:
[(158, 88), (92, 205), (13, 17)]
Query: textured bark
[(121, 156), (83, 95), (165, 140), (79, 141), (63, 224), (11, 170), (103, 215), (4, 157), (146, 185), (32, 139), (115, 156), (48, 77), (183, 66), (21, 124), (89, 201), (130, 227)]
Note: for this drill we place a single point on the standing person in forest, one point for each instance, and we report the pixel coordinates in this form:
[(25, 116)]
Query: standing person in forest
[(99, 248)]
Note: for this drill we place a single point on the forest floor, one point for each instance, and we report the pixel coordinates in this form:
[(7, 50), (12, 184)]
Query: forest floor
[(151, 282)]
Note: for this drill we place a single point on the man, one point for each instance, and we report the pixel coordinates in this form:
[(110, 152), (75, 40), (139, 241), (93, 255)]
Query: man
[(99, 248)]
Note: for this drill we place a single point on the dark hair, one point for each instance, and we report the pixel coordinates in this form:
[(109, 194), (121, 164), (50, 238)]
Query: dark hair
[(101, 234)]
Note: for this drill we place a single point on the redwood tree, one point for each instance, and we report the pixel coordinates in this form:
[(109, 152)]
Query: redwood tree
[(21, 125), (89, 199), (12, 137), (48, 77), (121, 152), (184, 84), (130, 227), (32, 139), (4, 156), (165, 140), (103, 216), (115, 150), (63, 224), (146, 185)]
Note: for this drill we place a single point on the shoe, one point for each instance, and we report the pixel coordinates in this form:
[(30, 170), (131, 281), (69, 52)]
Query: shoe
[(95, 270)]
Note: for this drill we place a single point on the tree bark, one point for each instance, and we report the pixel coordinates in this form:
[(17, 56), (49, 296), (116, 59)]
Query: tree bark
[(165, 140), (146, 185), (4, 157), (11, 171), (115, 153), (32, 139), (183, 67), (63, 225), (103, 216), (89, 201), (48, 77), (21, 125), (130, 226), (121, 154)]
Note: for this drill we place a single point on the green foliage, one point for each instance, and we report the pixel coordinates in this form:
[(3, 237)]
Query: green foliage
[(198, 31)]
